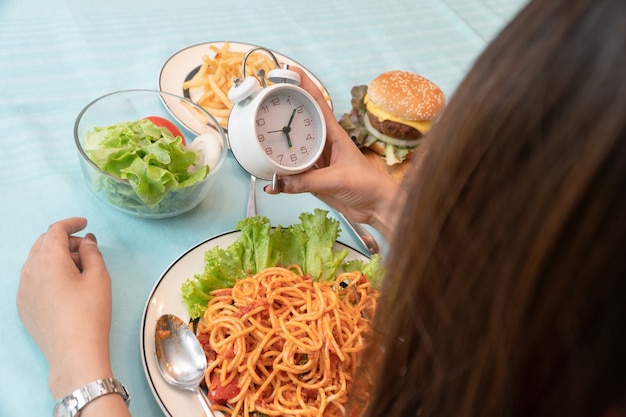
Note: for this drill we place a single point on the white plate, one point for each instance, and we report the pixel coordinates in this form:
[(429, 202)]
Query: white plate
[(183, 65), (165, 298)]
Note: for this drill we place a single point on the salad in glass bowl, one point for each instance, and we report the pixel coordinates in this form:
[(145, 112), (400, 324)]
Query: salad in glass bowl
[(139, 159)]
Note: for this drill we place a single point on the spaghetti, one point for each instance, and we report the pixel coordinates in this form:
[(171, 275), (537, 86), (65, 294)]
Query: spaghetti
[(280, 344)]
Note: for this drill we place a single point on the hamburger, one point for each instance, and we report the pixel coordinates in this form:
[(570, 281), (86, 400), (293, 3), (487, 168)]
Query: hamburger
[(393, 113)]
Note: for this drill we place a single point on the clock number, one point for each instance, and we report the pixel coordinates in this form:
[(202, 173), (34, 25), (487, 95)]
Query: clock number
[(261, 138), (260, 121), (275, 101), (268, 150), (300, 109), (304, 150), (293, 157), (310, 137), (265, 108), (307, 122)]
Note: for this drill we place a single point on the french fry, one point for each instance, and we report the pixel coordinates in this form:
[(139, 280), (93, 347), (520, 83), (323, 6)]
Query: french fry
[(216, 75), (215, 78)]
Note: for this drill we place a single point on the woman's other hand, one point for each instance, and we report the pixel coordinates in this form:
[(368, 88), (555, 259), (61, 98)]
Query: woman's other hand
[(64, 301)]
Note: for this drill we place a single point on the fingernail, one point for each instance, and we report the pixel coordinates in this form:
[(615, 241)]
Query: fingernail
[(91, 239)]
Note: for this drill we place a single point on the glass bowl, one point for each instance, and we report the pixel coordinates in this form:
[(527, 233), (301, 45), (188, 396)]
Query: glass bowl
[(147, 191)]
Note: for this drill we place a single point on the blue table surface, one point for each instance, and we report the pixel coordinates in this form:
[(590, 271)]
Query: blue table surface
[(56, 56)]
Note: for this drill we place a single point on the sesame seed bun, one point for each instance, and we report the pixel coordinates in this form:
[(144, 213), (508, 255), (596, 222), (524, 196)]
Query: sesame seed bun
[(406, 95)]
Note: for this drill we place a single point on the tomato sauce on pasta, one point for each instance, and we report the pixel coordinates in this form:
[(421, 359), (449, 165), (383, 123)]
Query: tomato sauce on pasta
[(279, 344)]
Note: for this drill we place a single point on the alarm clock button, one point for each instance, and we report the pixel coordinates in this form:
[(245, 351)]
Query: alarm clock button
[(282, 75), (243, 90)]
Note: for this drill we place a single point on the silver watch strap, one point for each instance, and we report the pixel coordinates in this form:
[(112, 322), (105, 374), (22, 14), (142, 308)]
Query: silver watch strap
[(71, 405)]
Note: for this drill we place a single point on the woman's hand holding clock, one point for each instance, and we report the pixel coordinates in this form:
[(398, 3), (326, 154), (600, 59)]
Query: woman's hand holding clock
[(344, 178)]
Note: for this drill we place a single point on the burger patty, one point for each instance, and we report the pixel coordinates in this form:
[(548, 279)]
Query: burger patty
[(394, 129)]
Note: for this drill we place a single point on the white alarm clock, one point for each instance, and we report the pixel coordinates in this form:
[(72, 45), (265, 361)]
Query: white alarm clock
[(277, 129)]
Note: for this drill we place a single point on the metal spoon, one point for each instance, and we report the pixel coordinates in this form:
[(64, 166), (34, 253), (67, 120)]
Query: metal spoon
[(362, 234), (180, 357)]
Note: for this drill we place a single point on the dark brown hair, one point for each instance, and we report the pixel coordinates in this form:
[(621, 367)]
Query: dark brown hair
[(506, 286)]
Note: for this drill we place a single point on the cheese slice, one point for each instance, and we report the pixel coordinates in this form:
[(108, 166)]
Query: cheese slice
[(421, 125)]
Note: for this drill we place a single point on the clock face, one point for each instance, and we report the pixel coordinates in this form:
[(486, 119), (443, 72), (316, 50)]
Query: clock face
[(289, 128)]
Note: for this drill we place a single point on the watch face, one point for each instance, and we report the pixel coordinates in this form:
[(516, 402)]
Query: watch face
[(289, 127)]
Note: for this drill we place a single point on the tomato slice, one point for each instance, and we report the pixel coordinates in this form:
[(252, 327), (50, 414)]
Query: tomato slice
[(162, 122), (219, 394)]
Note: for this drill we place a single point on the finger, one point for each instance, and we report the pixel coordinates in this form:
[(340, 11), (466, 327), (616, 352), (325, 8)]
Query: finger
[(59, 229), (58, 234), (68, 226), (76, 259), (58, 242), (90, 256), (317, 180), (337, 134), (74, 243), (307, 83)]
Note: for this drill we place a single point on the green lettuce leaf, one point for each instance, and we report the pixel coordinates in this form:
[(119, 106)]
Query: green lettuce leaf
[(221, 271), (321, 260), (309, 244), (149, 157), (373, 269)]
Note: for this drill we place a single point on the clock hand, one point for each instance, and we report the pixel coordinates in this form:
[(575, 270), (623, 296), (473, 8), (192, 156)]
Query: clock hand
[(287, 128), (293, 113)]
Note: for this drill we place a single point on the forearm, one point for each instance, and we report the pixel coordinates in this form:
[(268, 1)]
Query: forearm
[(75, 371), (81, 356)]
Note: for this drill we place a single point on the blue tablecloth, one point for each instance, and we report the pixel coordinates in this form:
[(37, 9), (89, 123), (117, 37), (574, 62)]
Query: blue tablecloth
[(56, 56)]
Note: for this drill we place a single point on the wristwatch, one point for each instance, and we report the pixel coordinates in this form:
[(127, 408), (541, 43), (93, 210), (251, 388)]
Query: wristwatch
[(71, 405)]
